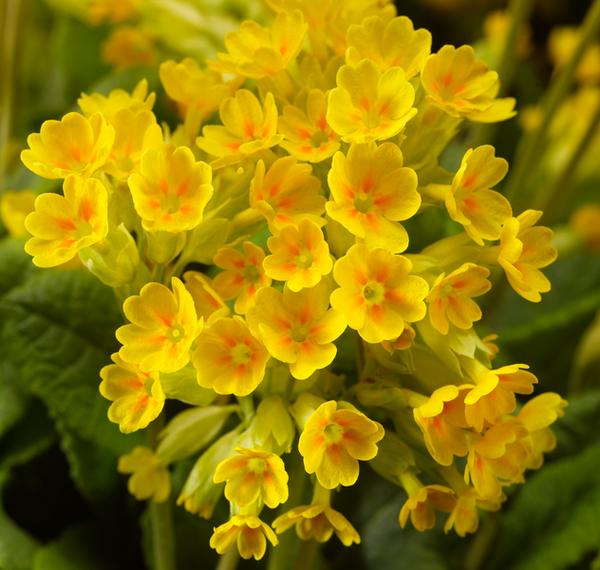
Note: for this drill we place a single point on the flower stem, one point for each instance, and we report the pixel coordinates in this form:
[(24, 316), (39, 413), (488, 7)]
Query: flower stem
[(532, 147), (229, 560), (161, 515)]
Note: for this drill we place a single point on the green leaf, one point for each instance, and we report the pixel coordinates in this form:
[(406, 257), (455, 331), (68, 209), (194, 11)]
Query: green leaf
[(580, 425), (13, 398), (17, 548), (15, 265), (59, 330), (555, 518)]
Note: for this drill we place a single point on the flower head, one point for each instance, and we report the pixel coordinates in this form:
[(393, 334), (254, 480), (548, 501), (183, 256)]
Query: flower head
[(127, 46), (308, 136), (228, 358), (298, 328), (150, 477), (334, 440), (15, 206), (138, 396), (164, 325), (251, 474), (389, 44), (172, 189), (300, 256), (62, 225), (463, 87), (450, 298), (376, 294), (73, 145), (206, 300), (372, 192), (117, 100), (248, 531), (368, 105), (523, 251), (243, 275), (421, 503), (287, 194), (256, 52)]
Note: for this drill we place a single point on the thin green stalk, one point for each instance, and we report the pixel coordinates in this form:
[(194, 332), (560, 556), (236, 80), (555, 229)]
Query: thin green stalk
[(520, 10), (8, 50), (161, 515), (552, 201), (229, 560), (532, 146)]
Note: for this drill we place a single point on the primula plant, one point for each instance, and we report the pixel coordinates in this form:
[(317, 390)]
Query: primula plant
[(271, 282)]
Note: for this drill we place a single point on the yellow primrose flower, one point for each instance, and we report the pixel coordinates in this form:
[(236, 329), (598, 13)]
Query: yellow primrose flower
[(15, 206), (441, 418), (300, 256), (138, 396), (368, 105), (501, 453), (247, 128), (470, 201), (494, 393), (389, 44), (463, 87), (206, 300), (117, 99), (248, 531), (376, 294), (287, 194), (73, 145), (372, 192), (402, 342), (111, 11), (308, 136), (450, 298), (464, 517), (150, 477), (62, 225), (135, 133), (128, 46), (243, 275), (164, 325), (251, 474), (523, 251), (332, 442), (172, 189), (298, 328), (256, 52), (422, 501), (228, 358)]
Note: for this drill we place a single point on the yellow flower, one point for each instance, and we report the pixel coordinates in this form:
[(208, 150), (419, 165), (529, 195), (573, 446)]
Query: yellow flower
[(247, 129), (128, 46), (62, 225), (469, 200), (228, 358), (318, 521), (248, 531), (450, 298), (523, 251), (308, 136), (464, 517), (421, 503), (287, 194), (117, 100), (376, 294), (391, 44), (368, 105), (251, 474), (14, 208), (441, 419), (334, 440), (372, 192), (300, 256), (150, 477), (172, 189), (206, 300), (298, 328), (256, 52), (113, 11), (463, 87), (73, 145), (138, 396), (164, 327), (243, 275)]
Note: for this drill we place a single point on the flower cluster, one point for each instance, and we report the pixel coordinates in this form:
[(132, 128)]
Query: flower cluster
[(298, 204)]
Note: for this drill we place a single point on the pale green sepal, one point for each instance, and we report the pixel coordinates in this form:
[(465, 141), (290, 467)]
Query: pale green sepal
[(164, 247)]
